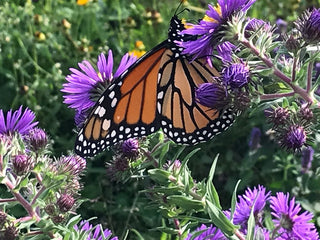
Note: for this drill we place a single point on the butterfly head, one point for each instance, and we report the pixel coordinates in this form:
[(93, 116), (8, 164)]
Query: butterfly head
[(176, 27)]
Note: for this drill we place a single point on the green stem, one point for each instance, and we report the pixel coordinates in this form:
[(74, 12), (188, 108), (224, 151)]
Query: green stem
[(302, 92), (27, 206), (180, 184), (276, 95), (239, 235), (309, 76), (294, 66)]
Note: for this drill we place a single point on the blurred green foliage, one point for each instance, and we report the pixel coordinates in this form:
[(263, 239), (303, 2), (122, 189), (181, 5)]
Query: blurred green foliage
[(41, 40)]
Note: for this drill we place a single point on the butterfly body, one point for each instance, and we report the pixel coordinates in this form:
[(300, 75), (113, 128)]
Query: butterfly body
[(157, 91)]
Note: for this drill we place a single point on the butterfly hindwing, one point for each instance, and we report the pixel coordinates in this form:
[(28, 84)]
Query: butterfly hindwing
[(183, 119)]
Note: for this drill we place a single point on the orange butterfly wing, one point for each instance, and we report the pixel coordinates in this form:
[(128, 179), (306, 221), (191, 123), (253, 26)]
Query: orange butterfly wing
[(126, 109), (183, 119)]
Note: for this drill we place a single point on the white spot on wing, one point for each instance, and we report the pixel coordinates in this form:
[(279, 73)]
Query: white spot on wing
[(114, 102), (111, 95), (102, 111)]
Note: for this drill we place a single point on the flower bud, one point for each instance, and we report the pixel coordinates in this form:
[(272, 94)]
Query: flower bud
[(309, 26), (74, 165), (37, 139), (236, 75), (58, 219), (21, 164), (277, 116), (121, 164), (65, 202), (50, 209), (294, 138), (3, 218), (10, 233), (40, 36), (305, 113), (66, 24), (130, 148), (212, 95), (292, 44), (241, 101)]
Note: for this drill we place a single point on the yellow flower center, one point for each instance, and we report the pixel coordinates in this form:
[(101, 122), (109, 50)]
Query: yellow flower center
[(185, 24), (210, 19)]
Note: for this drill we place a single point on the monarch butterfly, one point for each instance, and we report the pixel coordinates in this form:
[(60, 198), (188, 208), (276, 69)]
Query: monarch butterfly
[(157, 91)]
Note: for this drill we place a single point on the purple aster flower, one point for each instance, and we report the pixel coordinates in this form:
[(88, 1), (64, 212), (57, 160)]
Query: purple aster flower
[(294, 138), (209, 233), (212, 95), (236, 75), (85, 87), (37, 139), (288, 220), (225, 51), (309, 26), (254, 141), (211, 27), (130, 148), (256, 199), (18, 121), (306, 159), (97, 234)]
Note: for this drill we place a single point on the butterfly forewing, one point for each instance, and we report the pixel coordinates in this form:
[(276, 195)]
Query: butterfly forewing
[(126, 109)]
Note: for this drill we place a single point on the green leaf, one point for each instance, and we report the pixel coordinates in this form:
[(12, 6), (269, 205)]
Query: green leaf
[(186, 159), (22, 183), (251, 225), (138, 235), (219, 219), (167, 230), (164, 150), (211, 191), (185, 202), (159, 175), (166, 190), (285, 103), (234, 199), (176, 156)]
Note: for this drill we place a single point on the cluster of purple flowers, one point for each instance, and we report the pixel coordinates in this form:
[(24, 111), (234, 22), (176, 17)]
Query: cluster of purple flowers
[(288, 219), (23, 146)]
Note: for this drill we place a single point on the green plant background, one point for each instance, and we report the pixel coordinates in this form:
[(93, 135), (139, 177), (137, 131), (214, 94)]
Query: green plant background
[(36, 51)]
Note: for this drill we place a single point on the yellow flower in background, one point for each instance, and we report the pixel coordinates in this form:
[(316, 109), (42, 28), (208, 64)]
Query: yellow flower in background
[(139, 45), (137, 53), (139, 49), (40, 36), (82, 2)]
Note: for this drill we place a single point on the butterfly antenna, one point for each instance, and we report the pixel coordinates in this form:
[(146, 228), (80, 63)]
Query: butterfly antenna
[(176, 12)]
